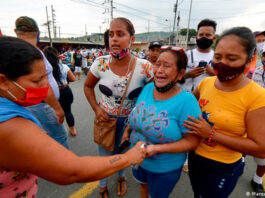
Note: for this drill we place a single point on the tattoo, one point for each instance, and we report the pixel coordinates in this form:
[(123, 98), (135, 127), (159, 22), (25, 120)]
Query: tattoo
[(115, 159)]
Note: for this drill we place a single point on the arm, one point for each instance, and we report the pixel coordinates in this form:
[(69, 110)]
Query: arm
[(70, 76), (89, 86), (194, 72), (44, 157), (53, 102), (252, 145), (187, 143)]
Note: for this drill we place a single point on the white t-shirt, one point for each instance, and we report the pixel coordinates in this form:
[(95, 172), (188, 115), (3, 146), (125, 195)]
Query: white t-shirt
[(259, 76), (84, 53), (192, 83), (113, 86), (64, 70)]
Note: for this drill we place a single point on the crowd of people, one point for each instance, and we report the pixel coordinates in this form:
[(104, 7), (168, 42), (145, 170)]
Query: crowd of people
[(200, 110)]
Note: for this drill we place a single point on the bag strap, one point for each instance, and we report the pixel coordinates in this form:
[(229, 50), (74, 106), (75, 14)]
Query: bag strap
[(191, 53), (127, 86)]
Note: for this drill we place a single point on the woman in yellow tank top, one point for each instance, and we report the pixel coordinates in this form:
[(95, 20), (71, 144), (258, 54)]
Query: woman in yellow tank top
[(232, 121)]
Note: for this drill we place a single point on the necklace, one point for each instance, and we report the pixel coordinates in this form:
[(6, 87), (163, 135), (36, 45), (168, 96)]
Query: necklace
[(126, 74)]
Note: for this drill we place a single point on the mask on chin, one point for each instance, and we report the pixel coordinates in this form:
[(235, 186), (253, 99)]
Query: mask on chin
[(33, 95), (120, 55), (225, 72), (204, 43), (167, 87)]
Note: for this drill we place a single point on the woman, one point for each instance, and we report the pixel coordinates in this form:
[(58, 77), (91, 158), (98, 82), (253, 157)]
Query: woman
[(112, 73), (61, 73), (158, 121), (25, 150), (232, 121)]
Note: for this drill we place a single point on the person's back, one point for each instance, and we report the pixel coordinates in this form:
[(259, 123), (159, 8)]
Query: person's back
[(49, 112)]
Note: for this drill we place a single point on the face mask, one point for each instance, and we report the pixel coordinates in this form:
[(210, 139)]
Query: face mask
[(120, 55), (204, 43), (166, 87), (226, 73), (260, 46), (33, 95)]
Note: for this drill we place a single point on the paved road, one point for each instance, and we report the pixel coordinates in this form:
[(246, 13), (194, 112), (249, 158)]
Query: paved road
[(83, 145)]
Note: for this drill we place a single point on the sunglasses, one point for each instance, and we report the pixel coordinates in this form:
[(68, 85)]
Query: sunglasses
[(173, 48)]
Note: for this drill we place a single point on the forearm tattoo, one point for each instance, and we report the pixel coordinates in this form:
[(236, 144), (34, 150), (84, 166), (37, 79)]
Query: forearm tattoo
[(115, 159)]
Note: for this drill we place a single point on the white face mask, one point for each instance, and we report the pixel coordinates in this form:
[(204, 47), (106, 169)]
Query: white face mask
[(260, 46)]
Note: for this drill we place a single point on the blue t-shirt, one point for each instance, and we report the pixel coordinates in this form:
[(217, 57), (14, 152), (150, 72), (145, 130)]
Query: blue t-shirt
[(9, 110), (159, 122)]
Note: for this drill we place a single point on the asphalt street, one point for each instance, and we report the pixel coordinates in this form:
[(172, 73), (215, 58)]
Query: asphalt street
[(83, 144)]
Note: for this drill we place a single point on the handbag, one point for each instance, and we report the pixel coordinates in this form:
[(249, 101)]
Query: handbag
[(104, 131)]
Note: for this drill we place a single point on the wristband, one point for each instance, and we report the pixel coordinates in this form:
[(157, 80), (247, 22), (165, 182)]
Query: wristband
[(211, 135)]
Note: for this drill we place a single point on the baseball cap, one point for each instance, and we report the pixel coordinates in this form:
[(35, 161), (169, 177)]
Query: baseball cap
[(26, 24), (259, 33), (154, 44)]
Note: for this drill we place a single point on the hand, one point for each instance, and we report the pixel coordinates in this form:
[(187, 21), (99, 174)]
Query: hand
[(151, 150), (101, 114), (195, 72), (60, 115), (210, 70), (198, 127), (126, 134), (137, 154)]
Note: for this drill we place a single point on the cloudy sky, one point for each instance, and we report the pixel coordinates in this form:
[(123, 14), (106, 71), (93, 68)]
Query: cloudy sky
[(73, 15)]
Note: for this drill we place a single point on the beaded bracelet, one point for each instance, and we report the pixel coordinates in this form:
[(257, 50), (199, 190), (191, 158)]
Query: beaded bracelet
[(211, 135)]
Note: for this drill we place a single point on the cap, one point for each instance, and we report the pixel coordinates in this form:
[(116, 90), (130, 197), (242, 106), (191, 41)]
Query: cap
[(26, 24), (259, 33), (154, 44)]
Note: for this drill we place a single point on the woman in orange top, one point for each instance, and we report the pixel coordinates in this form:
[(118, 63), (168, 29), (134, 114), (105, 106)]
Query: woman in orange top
[(232, 122)]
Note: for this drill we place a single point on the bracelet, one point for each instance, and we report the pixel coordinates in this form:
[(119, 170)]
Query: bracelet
[(211, 135)]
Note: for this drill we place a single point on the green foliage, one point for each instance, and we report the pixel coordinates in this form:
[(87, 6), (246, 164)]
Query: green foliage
[(192, 32)]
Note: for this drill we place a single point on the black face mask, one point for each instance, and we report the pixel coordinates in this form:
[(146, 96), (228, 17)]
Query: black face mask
[(204, 43), (166, 87)]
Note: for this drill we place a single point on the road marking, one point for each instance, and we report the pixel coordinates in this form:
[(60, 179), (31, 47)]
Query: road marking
[(87, 189)]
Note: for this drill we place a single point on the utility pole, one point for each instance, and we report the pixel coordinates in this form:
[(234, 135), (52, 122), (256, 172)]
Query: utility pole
[(85, 30), (187, 35), (177, 36), (53, 22), (99, 29), (59, 31), (148, 36), (48, 24), (173, 30), (111, 10)]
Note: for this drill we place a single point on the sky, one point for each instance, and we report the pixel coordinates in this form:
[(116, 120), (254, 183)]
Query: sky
[(76, 17)]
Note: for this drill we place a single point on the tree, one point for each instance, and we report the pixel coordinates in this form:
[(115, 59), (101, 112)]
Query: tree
[(192, 32)]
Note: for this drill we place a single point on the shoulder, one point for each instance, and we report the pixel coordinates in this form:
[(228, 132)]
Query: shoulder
[(140, 61), (206, 83), (208, 80), (256, 89)]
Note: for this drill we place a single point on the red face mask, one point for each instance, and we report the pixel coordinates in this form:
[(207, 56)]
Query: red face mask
[(225, 72), (33, 95)]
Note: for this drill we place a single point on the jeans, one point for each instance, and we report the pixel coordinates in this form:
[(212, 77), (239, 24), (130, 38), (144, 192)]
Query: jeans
[(160, 185), (210, 178), (46, 115), (66, 100), (121, 124)]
